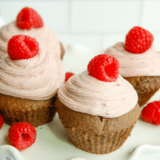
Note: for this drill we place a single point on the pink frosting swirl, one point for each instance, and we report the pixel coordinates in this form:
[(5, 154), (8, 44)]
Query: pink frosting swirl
[(37, 78), (86, 94), (44, 35), (145, 64)]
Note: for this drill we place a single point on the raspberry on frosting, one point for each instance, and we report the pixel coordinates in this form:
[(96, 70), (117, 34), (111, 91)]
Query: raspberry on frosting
[(138, 40), (22, 135), (28, 18), (22, 47), (151, 113), (68, 75), (104, 67)]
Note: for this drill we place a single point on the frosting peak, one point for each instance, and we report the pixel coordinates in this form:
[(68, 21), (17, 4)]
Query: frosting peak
[(44, 35), (86, 94), (144, 64)]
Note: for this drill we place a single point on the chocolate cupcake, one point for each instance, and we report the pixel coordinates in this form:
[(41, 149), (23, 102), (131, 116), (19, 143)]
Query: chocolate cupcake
[(30, 78), (139, 62), (30, 23), (98, 108)]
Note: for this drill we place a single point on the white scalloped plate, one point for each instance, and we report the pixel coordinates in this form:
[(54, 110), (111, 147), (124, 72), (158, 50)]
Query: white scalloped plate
[(52, 142)]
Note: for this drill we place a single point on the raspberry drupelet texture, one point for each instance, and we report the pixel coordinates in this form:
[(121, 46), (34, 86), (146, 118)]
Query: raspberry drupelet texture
[(104, 67), (22, 47), (138, 40), (151, 113), (68, 75), (1, 121), (22, 135), (28, 18)]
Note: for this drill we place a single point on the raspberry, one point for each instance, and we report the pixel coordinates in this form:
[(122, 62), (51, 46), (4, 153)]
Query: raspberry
[(28, 18), (138, 40), (22, 47), (68, 75), (1, 121), (22, 135), (151, 113), (104, 67)]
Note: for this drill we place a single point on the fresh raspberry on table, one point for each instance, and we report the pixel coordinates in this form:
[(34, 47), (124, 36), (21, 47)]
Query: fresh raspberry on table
[(104, 67), (1, 121), (151, 113), (22, 135), (138, 40), (68, 75), (22, 47), (28, 18)]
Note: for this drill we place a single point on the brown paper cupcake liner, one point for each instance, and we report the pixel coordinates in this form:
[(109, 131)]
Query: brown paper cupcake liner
[(144, 98), (146, 87), (94, 134), (98, 144), (63, 50), (20, 110)]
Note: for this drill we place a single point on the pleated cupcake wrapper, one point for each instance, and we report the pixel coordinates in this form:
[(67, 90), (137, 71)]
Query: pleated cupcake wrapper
[(35, 117), (62, 55), (62, 50), (143, 99), (145, 91), (98, 144)]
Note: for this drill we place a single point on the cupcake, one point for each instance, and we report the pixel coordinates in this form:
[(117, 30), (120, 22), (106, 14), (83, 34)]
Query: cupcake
[(139, 62), (30, 23), (63, 49), (98, 108), (30, 78)]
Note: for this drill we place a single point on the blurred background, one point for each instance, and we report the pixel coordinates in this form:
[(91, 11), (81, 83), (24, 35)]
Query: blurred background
[(94, 23)]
